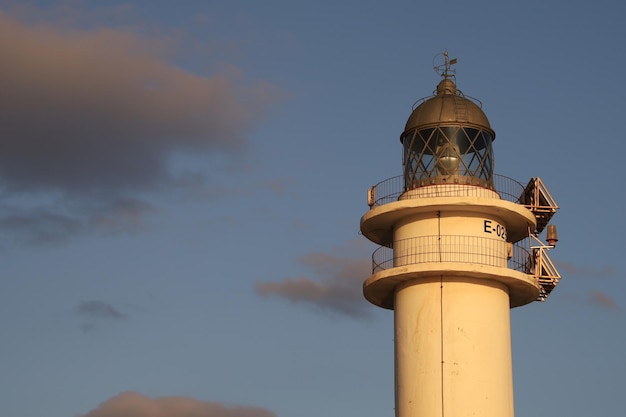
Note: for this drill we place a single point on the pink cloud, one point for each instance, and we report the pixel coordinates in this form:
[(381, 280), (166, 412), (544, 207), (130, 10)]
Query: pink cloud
[(603, 300), (136, 405), (103, 109), (337, 288)]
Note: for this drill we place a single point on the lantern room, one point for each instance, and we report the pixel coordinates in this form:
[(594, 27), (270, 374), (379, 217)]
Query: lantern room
[(447, 140)]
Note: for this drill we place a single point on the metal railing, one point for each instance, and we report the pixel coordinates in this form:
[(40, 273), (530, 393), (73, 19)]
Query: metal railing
[(453, 248), (521, 259), (391, 189)]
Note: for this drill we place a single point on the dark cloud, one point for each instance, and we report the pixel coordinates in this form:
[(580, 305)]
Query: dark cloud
[(99, 310), (39, 225), (337, 289), (52, 224), (132, 404), (96, 115)]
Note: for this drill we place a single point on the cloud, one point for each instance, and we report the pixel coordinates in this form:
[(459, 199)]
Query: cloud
[(39, 225), (99, 310), (585, 271), (49, 224), (126, 214), (590, 296), (95, 312), (337, 289), (133, 404), (603, 300), (95, 115)]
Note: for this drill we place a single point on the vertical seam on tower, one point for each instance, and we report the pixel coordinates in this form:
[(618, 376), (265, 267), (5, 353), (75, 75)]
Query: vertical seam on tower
[(442, 339), (440, 310), (439, 234)]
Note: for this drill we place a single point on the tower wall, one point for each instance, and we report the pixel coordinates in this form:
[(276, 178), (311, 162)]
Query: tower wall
[(450, 236), (452, 348), (452, 334)]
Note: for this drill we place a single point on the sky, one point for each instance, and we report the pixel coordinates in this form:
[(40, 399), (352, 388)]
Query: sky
[(181, 185)]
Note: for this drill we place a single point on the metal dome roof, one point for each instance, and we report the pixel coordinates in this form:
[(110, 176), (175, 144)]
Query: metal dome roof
[(448, 106)]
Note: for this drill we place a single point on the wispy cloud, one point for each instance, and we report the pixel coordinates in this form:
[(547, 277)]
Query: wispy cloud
[(51, 224), (134, 404), (603, 300), (99, 310), (586, 294), (94, 312), (336, 286), (586, 271), (95, 115), (39, 225)]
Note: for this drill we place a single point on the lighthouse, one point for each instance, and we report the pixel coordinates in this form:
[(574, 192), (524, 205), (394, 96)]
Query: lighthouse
[(459, 247)]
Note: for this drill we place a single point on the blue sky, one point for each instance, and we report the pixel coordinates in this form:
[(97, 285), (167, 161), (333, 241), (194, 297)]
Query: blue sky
[(182, 182)]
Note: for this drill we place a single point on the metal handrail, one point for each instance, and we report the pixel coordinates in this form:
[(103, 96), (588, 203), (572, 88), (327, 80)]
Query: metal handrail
[(453, 248), (391, 189)]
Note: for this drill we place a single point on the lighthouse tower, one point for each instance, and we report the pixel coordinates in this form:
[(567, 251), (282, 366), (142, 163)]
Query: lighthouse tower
[(459, 247)]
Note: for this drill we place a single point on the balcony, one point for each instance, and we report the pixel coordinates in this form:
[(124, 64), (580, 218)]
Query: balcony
[(454, 248), (473, 250), (391, 189)]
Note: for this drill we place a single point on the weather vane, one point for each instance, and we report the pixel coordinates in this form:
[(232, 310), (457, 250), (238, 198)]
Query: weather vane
[(445, 69)]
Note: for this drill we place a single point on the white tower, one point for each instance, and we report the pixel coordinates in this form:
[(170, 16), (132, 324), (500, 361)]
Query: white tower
[(459, 248)]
